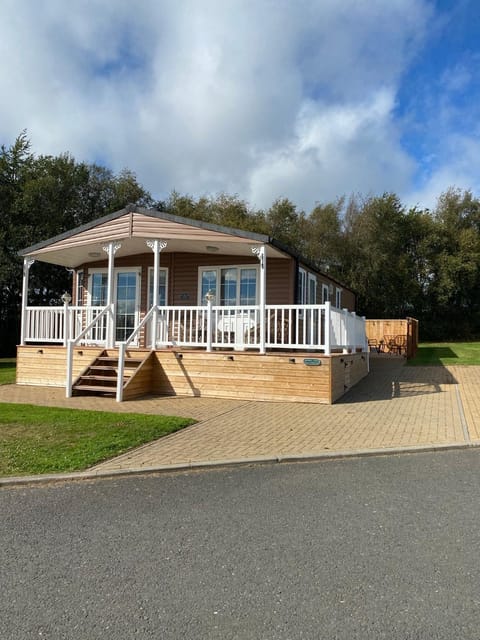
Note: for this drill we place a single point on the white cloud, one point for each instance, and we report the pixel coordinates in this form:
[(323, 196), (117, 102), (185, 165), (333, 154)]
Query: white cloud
[(458, 167), (257, 97), (335, 149)]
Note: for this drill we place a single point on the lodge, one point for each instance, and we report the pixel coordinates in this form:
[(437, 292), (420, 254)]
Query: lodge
[(167, 305)]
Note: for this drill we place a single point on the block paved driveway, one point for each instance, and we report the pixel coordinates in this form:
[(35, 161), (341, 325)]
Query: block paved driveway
[(395, 406)]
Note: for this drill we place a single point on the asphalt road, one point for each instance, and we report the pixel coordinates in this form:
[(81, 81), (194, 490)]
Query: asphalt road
[(361, 548)]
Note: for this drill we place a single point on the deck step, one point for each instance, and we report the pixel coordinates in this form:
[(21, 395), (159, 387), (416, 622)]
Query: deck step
[(101, 375), (93, 378), (95, 387), (128, 359)]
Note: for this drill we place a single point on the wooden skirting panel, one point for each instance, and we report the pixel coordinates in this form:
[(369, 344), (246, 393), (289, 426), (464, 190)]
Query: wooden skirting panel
[(220, 374), (142, 380), (250, 376), (47, 365), (346, 371)]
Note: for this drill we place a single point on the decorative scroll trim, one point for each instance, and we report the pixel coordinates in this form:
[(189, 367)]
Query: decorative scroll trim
[(27, 263), (260, 253), (115, 247), (161, 244)]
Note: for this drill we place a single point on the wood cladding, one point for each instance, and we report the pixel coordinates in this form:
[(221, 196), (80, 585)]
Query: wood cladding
[(241, 376), (183, 276), (144, 226), (219, 374), (47, 365), (346, 371), (103, 233), (379, 330)]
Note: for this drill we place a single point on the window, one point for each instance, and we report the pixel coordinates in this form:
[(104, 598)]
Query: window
[(325, 293), (80, 289), (312, 289), (162, 286), (307, 287), (302, 286), (338, 298), (98, 288), (230, 285)]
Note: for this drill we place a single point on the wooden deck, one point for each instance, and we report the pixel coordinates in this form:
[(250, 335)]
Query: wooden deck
[(280, 377)]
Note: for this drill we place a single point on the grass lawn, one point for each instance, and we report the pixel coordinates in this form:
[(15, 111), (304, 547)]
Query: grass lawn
[(447, 353), (7, 370), (45, 439)]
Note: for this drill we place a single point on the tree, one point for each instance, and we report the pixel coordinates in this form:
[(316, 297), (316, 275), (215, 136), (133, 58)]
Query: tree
[(454, 278), (286, 224), (41, 197), (323, 236), (378, 263)]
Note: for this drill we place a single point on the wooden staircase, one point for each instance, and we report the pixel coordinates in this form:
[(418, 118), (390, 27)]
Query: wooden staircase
[(100, 377)]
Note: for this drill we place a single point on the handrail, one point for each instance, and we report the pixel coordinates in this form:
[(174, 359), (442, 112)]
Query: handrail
[(73, 341), (91, 324), (122, 347)]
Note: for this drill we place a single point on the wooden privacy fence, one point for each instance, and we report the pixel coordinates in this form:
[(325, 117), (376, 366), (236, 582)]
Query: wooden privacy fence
[(378, 332)]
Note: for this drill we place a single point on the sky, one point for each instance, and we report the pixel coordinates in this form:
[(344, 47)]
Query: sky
[(304, 99)]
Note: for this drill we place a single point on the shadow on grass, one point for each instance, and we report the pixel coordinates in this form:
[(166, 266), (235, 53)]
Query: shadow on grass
[(433, 356), (7, 364), (389, 378)]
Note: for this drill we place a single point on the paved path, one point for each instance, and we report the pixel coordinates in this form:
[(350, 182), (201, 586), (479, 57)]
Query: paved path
[(395, 406)]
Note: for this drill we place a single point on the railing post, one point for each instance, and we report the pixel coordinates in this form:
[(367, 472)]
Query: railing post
[(66, 299), (327, 327), (68, 386), (261, 255), (110, 249), (345, 320), (156, 246), (120, 370), (27, 263), (353, 334), (209, 298)]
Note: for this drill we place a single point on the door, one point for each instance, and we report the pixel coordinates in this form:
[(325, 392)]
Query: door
[(127, 287), (126, 298), (96, 301)]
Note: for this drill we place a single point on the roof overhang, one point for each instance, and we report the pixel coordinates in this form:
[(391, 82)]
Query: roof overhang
[(131, 227)]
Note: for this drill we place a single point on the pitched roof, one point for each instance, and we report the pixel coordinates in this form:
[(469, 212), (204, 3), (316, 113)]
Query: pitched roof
[(132, 225)]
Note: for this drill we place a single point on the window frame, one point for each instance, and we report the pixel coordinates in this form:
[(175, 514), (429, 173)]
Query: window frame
[(338, 297), (150, 277), (325, 289), (312, 278), (218, 270)]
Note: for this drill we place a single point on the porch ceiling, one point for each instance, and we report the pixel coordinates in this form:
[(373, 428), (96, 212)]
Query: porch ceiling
[(132, 228)]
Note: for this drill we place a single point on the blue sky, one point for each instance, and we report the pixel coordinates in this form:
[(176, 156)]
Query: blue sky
[(306, 99)]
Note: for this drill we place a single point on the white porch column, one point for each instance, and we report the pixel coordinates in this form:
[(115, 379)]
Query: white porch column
[(328, 321), (157, 246), (261, 255), (27, 263), (111, 249)]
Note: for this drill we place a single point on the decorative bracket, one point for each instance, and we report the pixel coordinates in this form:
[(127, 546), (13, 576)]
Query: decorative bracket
[(27, 263), (115, 246), (160, 243), (260, 253)]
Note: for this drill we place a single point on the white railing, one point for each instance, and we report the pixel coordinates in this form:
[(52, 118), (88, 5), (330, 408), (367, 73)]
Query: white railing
[(308, 327), (44, 324), (312, 327), (347, 330), (59, 324)]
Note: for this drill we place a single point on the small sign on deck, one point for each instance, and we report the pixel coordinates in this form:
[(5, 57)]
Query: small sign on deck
[(312, 362)]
